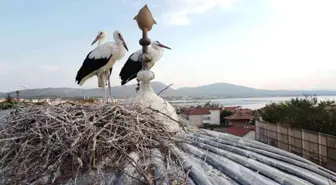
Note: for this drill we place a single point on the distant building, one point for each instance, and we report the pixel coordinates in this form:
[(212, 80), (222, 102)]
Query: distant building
[(34, 100), (201, 116), (240, 117), (13, 99), (115, 100), (18, 100), (56, 101), (238, 123)]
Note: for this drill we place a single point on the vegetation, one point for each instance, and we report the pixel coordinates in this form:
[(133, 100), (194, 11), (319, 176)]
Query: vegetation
[(9, 99), (211, 127), (305, 113), (211, 104), (86, 101), (40, 103), (17, 95), (223, 113), (8, 103)]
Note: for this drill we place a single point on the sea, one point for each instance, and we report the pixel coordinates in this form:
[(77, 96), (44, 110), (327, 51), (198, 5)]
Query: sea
[(251, 103)]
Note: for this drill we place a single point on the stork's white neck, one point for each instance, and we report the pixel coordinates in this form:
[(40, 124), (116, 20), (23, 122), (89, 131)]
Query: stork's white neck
[(157, 55), (160, 52), (117, 39), (157, 48), (101, 41)]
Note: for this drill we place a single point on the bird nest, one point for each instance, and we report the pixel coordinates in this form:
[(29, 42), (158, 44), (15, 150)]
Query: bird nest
[(53, 144)]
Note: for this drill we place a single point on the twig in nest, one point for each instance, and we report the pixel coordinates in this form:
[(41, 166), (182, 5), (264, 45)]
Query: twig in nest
[(63, 142), (164, 89), (134, 163), (154, 110), (187, 174)]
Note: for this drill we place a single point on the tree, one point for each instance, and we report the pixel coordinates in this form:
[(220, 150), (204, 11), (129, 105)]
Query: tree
[(17, 95), (211, 104), (223, 114), (9, 99), (305, 113)]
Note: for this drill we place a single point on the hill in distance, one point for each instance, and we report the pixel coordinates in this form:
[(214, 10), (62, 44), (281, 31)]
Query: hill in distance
[(117, 91), (220, 90), (231, 90)]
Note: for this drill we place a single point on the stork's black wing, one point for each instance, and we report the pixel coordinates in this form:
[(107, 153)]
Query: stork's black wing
[(130, 70), (90, 65)]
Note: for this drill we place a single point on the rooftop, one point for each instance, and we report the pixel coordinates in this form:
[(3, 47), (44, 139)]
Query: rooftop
[(237, 130), (232, 109), (199, 111), (240, 114)]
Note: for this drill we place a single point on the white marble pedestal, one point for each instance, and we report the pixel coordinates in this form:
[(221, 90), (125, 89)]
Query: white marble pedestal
[(148, 98)]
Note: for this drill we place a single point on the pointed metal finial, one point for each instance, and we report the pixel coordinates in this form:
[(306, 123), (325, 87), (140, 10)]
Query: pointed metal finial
[(145, 19)]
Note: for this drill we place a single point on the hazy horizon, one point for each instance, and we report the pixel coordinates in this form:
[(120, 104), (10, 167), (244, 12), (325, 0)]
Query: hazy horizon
[(173, 87), (264, 44), (251, 103)]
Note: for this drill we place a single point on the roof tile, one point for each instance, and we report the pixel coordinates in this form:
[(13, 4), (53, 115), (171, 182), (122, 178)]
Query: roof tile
[(243, 114), (238, 131), (199, 111)]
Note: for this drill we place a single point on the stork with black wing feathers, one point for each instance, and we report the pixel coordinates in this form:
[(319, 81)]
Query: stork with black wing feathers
[(101, 59), (133, 65)]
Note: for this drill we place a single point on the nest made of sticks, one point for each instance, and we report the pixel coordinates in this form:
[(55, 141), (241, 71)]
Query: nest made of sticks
[(36, 141)]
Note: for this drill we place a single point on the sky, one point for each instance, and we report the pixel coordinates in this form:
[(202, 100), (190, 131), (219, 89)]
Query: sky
[(267, 44)]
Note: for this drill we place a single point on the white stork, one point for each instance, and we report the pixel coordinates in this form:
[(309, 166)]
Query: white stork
[(132, 66), (101, 59), (101, 38)]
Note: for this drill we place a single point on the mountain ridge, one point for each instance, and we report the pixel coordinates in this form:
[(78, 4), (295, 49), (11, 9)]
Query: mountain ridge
[(219, 90)]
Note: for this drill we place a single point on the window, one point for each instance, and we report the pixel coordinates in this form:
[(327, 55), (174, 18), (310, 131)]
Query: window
[(206, 118)]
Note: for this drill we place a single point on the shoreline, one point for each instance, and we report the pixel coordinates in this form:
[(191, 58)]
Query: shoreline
[(251, 103)]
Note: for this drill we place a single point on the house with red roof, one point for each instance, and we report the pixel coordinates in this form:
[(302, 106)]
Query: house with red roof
[(240, 117), (201, 116), (238, 124)]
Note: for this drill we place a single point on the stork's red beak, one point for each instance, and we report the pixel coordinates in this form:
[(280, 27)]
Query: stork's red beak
[(97, 38), (163, 46)]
